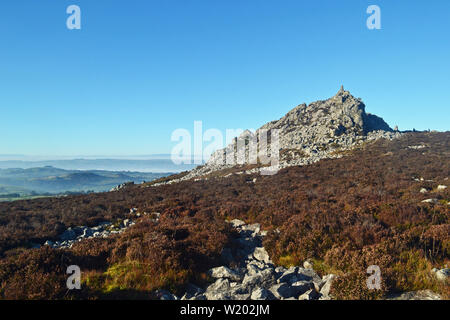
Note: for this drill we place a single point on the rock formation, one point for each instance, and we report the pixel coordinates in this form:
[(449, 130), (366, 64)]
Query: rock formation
[(307, 133)]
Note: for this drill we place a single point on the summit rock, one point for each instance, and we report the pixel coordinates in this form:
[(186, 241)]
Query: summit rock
[(307, 133)]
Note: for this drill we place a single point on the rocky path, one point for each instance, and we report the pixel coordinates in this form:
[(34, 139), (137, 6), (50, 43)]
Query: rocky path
[(248, 273)]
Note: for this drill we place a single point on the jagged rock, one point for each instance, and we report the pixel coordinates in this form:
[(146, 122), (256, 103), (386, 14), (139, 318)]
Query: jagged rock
[(262, 294), (224, 272), (281, 290), (254, 267), (441, 187), (301, 287), (289, 275), (218, 290), (311, 294), (423, 190), (307, 264), (261, 254), (307, 275), (327, 282), (237, 223), (239, 292), (280, 270), (284, 290), (259, 279), (254, 228)]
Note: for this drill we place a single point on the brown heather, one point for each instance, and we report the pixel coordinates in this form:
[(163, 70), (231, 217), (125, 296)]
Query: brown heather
[(345, 214)]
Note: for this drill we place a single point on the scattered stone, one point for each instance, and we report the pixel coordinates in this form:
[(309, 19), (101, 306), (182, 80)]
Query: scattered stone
[(218, 290), (311, 294), (254, 228), (300, 287), (262, 294), (423, 190), (224, 272), (281, 291), (261, 254), (259, 279), (441, 275), (416, 295), (289, 275), (327, 282), (307, 264), (441, 187), (237, 223), (430, 201)]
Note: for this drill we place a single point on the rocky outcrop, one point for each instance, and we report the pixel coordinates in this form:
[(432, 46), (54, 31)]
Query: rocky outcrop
[(307, 134)]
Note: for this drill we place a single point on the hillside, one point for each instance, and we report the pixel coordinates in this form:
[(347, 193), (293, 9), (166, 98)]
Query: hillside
[(365, 207)]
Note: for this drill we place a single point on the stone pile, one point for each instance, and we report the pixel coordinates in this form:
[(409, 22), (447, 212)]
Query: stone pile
[(248, 273)]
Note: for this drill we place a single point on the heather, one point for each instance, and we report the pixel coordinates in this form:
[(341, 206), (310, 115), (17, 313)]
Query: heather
[(344, 214)]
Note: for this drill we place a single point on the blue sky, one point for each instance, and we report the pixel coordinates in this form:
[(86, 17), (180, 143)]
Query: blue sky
[(138, 70)]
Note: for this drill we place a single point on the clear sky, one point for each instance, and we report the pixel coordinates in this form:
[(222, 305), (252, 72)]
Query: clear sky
[(137, 70)]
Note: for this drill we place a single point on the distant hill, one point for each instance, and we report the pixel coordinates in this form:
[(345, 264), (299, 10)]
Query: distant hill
[(18, 183), (138, 165)]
